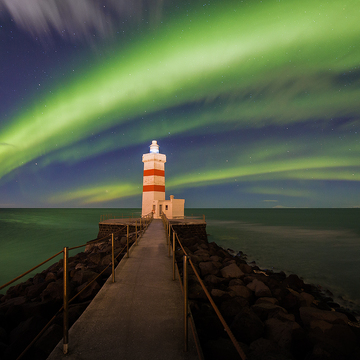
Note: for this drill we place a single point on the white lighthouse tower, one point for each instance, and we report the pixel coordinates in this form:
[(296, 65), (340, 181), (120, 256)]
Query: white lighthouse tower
[(153, 199)]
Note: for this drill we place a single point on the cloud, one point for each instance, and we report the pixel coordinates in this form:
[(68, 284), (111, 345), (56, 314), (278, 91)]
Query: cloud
[(71, 19)]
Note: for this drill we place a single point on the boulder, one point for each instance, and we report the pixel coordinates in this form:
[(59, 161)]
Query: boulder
[(247, 326), (54, 290), (231, 307), (245, 268), (309, 314), (294, 282), (231, 271), (259, 288), (236, 282), (264, 349), (49, 339), (305, 299), (267, 310), (83, 275), (220, 348), (95, 258), (217, 293), (271, 300), (208, 268), (50, 277), (213, 280), (88, 292), (281, 331), (241, 290), (339, 342), (215, 258), (23, 334)]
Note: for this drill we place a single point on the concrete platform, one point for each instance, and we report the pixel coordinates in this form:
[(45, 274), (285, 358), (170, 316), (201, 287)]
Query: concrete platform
[(140, 316)]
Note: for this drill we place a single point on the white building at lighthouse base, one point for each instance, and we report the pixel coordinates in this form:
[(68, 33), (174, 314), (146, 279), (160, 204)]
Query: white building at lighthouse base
[(173, 208)]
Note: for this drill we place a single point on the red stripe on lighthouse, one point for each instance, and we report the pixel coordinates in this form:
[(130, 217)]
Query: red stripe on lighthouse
[(154, 172), (160, 188)]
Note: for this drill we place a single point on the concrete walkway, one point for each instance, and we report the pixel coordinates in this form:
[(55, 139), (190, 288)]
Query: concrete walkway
[(140, 316)]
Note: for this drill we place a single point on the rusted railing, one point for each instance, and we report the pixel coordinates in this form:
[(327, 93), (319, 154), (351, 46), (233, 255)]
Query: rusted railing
[(143, 225), (187, 311)]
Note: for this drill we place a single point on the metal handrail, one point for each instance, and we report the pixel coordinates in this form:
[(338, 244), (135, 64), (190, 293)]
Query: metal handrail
[(187, 259), (148, 218)]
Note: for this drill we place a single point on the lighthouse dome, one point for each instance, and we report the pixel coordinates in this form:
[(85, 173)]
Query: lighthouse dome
[(154, 147)]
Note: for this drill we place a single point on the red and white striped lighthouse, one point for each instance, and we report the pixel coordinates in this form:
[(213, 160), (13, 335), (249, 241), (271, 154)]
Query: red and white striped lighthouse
[(153, 181)]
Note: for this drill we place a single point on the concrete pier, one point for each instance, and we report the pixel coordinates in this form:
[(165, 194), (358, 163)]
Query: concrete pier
[(140, 316)]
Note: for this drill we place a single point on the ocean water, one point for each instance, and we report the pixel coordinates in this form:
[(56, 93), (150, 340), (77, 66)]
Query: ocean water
[(320, 245), (30, 236)]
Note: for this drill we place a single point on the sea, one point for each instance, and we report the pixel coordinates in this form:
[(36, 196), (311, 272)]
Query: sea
[(322, 246)]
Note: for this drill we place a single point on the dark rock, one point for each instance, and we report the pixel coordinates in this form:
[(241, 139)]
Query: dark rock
[(233, 282), (196, 292), (49, 339), (305, 299), (259, 288), (95, 258), (34, 291), (213, 280), (83, 275), (23, 334), (294, 282), (281, 331), (309, 314), (220, 348), (54, 290), (231, 307), (216, 293), (264, 349), (50, 277), (245, 268), (267, 310), (247, 326), (339, 342), (240, 290), (3, 335), (231, 271), (271, 300), (87, 291), (208, 268)]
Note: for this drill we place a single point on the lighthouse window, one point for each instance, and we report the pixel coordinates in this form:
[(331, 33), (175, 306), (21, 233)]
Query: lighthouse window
[(166, 207)]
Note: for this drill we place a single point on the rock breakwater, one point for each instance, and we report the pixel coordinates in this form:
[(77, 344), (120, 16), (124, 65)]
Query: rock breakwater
[(272, 315), (27, 307)]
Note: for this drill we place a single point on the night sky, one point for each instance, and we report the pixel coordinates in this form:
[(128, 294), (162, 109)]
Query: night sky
[(254, 103)]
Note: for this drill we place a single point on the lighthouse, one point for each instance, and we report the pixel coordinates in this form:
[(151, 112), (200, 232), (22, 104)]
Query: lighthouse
[(153, 198)]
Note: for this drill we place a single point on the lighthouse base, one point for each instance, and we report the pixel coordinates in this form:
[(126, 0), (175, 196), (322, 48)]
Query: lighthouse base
[(173, 208)]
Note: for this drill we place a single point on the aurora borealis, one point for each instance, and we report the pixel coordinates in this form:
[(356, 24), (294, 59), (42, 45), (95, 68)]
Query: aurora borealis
[(255, 103)]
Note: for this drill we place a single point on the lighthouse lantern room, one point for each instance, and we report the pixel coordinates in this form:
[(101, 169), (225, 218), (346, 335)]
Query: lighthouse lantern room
[(153, 199)]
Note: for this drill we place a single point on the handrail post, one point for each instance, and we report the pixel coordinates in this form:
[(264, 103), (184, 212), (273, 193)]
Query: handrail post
[(136, 232), (185, 275), (113, 257), (169, 241), (173, 251), (127, 240), (66, 302)]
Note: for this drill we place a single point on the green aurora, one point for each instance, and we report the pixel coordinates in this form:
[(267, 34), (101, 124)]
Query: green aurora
[(264, 95)]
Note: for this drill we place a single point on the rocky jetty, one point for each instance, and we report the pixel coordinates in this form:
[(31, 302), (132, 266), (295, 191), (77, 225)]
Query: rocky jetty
[(272, 315), (27, 307)]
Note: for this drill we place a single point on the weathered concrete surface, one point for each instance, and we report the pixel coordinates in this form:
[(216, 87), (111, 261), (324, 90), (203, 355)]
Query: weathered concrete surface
[(137, 317)]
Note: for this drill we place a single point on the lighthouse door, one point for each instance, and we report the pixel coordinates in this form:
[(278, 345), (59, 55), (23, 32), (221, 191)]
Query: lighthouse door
[(160, 210)]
